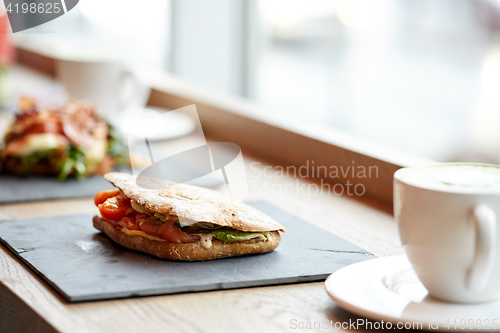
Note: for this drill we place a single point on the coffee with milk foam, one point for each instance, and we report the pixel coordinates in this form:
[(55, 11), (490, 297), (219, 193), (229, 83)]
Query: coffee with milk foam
[(459, 177)]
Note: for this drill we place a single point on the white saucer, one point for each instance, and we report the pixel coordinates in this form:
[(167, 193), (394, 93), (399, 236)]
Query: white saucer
[(388, 289)]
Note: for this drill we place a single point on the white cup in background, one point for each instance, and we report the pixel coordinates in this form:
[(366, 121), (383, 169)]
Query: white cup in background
[(448, 217), (115, 88)]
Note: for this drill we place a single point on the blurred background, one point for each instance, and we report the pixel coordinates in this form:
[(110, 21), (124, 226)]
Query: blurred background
[(422, 76)]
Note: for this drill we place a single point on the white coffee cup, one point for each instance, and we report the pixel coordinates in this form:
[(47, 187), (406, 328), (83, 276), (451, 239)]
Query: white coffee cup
[(115, 88), (448, 217)]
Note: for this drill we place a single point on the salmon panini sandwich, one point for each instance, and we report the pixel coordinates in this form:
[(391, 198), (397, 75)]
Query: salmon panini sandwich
[(181, 222)]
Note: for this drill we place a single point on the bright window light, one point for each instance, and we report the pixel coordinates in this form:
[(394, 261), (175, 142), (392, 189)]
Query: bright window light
[(287, 13)]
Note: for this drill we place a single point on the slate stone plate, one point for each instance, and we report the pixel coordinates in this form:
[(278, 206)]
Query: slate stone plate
[(84, 265), (33, 188)]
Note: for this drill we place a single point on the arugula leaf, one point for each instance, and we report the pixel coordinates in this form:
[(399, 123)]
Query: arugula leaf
[(75, 162), (66, 169), (116, 146)]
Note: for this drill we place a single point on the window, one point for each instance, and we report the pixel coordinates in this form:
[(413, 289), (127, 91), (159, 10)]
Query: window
[(125, 29), (418, 75), (422, 76)]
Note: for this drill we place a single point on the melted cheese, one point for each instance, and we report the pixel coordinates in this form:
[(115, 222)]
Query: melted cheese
[(141, 209), (96, 152), (35, 142), (206, 241), (137, 207)]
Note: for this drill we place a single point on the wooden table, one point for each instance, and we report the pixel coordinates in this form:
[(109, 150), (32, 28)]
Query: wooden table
[(28, 304)]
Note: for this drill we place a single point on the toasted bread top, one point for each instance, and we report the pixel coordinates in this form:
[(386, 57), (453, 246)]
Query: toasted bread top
[(192, 202)]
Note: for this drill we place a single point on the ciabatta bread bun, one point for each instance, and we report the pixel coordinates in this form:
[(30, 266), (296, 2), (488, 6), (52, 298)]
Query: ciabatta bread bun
[(188, 251)]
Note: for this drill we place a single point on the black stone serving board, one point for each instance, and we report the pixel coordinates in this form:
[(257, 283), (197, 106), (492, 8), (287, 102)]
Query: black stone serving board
[(84, 265), (35, 188)]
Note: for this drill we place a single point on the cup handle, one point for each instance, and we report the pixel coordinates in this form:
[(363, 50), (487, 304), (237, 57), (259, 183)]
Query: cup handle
[(485, 225), (135, 91)]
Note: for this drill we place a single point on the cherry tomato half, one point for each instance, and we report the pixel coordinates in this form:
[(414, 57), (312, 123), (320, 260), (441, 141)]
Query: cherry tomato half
[(105, 195), (115, 208)]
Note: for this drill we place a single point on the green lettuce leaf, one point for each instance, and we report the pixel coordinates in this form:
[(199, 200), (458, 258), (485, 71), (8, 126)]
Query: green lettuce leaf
[(30, 160), (231, 235)]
